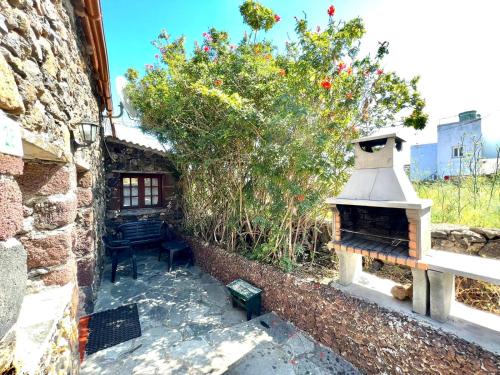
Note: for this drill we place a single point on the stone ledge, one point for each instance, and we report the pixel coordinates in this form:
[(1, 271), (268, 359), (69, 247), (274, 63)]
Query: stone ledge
[(38, 146), (37, 325), (472, 267)]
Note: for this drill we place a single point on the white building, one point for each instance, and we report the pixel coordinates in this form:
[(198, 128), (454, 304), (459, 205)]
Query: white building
[(462, 147)]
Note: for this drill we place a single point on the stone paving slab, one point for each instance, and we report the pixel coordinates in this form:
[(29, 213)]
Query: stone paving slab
[(190, 327)]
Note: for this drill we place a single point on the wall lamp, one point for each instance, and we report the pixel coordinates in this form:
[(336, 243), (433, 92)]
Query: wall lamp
[(88, 133)]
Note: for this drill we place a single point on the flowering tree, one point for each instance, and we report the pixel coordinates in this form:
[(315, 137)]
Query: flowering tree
[(262, 137)]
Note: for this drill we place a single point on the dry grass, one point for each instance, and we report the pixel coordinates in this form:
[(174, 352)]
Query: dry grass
[(474, 293), (478, 294)]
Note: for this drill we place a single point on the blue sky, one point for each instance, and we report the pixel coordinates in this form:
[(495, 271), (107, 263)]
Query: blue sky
[(451, 44), (131, 25)]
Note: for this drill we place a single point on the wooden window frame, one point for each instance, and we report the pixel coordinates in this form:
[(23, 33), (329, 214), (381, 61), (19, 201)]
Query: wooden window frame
[(141, 190)]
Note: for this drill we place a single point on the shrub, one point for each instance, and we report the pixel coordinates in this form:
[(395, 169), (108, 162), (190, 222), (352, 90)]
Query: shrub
[(261, 137)]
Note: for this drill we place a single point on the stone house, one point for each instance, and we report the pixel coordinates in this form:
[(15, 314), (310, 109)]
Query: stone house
[(54, 193), (141, 182)]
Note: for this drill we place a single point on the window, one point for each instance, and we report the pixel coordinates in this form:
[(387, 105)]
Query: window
[(457, 152), (141, 191)]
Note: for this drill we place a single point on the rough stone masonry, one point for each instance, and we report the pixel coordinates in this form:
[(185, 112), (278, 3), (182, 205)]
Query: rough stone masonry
[(51, 196)]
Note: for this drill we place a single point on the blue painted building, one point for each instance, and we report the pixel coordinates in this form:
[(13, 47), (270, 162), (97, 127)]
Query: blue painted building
[(458, 145)]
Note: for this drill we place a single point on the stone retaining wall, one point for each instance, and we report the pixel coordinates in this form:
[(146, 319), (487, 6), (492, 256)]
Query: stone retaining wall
[(372, 338), (484, 242)]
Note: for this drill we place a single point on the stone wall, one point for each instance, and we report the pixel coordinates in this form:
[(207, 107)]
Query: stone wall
[(484, 242), (126, 158), (372, 338), (51, 195)]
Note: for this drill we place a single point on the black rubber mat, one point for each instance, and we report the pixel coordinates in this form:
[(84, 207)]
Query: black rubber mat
[(112, 327)]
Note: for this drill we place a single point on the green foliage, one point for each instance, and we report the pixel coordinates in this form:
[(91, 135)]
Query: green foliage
[(257, 16), (132, 75), (260, 138), (477, 209)]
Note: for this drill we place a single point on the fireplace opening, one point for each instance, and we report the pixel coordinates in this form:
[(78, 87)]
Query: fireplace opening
[(374, 228), (378, 144)]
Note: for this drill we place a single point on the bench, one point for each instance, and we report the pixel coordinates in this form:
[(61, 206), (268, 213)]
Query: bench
[(443, 266), (143, 232), (131, 235), (245, 295)]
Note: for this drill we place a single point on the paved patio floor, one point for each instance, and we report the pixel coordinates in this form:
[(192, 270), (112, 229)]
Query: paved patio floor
[(190, 327)]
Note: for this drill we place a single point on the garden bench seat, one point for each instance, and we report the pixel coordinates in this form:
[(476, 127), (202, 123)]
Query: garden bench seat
[(443, 266), (473, 267), (142, 232), (129, 236)]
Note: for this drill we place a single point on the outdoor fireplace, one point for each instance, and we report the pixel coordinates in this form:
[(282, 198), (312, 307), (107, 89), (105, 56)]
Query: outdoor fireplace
[(378, 214)]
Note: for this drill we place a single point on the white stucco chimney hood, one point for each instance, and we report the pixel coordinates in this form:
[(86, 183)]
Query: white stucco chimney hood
[(379, 179)]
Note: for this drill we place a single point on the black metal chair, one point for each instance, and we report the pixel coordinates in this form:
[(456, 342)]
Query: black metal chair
[(116, 248)]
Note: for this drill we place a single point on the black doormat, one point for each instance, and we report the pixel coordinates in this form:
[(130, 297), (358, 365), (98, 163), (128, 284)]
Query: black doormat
[(112, 327)]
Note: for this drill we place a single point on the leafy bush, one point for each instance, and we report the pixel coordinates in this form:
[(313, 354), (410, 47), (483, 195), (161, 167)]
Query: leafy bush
[(260, 137)]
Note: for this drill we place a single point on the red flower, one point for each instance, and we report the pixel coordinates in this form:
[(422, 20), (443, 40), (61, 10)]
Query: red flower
[(218, 82), (349, 71), (301, 197), (380, 72), (277, 18), (206, 48), (331, 10), (446, 178), (341, 66), (326, 84)]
